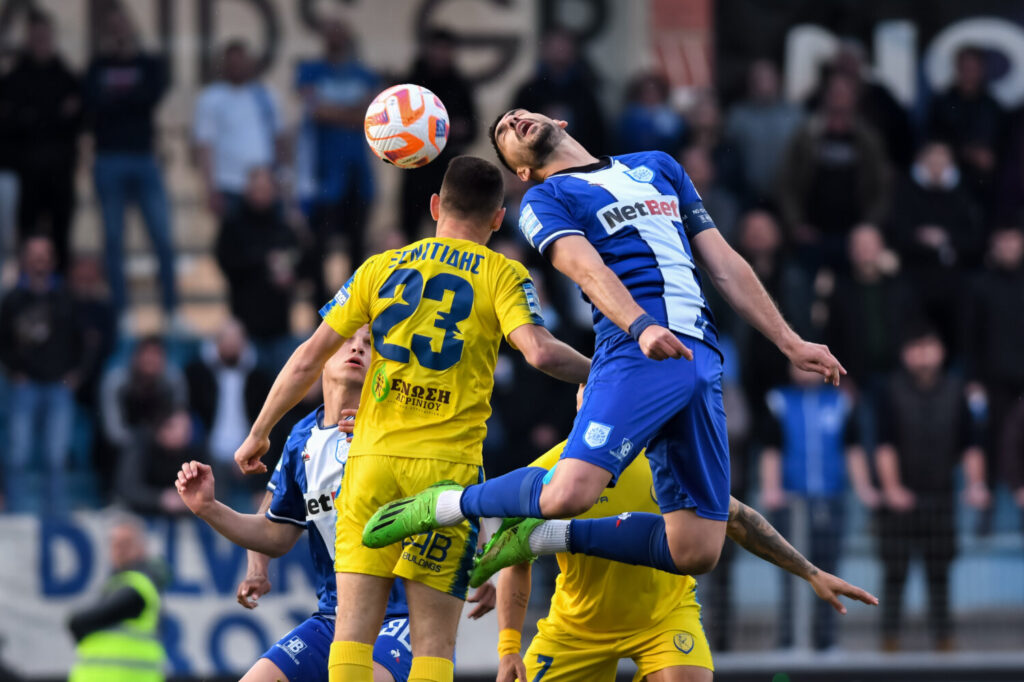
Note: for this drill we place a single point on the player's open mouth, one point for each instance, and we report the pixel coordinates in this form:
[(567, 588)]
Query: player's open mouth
[(523, 127), (354, 363)]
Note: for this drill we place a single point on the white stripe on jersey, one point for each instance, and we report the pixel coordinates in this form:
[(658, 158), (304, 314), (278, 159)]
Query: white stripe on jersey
[(323, 457), (683, 298)]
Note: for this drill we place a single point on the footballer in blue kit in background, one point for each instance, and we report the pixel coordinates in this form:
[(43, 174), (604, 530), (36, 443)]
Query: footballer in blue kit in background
[(629, 231)]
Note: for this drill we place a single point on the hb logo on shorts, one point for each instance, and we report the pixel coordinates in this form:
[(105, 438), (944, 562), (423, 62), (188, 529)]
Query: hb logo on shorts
[(294, 646)]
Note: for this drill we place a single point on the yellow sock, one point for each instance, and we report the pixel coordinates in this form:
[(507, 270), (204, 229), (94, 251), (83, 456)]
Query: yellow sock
[(351, 662), (427, 669)]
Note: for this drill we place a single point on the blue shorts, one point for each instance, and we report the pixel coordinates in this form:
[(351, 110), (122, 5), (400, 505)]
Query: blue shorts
[(673, 408), (302, 654)]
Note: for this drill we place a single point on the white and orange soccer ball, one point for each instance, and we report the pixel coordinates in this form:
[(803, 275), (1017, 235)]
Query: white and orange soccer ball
[(406, 125)]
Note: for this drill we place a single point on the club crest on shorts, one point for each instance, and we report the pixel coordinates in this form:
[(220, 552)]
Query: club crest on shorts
[(596, 435), (641, 174), (683, 641)]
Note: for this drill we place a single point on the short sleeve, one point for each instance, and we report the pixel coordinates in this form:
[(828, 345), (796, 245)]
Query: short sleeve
[(288, 504), (691, 207), (204, 127), (543, 219), (350, 308), (515, 300)]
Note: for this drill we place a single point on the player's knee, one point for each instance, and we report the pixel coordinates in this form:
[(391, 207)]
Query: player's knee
[(567, 498), (696, 560)]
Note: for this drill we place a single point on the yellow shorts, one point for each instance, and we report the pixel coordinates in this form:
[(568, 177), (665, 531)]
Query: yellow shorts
[(441, 559), (557, 655)]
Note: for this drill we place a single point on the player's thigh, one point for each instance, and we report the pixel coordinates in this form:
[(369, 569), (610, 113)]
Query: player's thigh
[(434, 620), (299, 656), (265, 670), (673, 650), (362, 602), (392, 652), (369, 482), (689, 457), (548, 660), (443, 558), (626, 402), (571, 487)]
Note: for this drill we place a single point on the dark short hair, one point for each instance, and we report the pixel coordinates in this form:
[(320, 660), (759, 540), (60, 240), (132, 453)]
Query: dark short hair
[(472, 187), (918, 329), (492, 135)]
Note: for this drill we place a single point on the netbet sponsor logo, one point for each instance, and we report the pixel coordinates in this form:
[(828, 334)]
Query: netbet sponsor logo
[(615, 216)]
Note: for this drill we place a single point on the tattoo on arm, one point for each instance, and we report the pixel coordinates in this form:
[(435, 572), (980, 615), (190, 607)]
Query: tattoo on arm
[(521, 598), (753, 533)]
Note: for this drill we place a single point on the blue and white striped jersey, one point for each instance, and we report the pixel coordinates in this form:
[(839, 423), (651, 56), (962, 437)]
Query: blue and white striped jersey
[(305, 483), (639, 211)]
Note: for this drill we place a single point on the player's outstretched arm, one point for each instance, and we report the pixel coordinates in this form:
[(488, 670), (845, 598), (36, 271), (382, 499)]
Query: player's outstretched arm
[(549, 355), (253, 531), (753, 533), (739, 285), (578, 260), (256, 582), (293, 381), (513, 598)]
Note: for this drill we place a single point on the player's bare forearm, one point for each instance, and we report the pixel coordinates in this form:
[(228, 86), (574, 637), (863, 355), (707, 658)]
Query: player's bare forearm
[(256, 562), (742, 290), (253, 531), (578, 260), (549, 355), (513, 596), (753, 533), (296, 378)]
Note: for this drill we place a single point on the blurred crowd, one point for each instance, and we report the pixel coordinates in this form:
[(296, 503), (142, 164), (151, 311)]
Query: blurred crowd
[(893, 234)]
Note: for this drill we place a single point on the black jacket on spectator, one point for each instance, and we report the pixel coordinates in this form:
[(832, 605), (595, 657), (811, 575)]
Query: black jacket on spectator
[(203, 392), (121, 96), (148, 469), (996, 327), (930, 429), (951, 209), (44, 135), (864, 322), (246, 239), (39, 334)]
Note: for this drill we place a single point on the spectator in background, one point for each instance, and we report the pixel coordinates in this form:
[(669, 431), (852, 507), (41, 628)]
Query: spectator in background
[(256, 251), (123, 87), (720, 203), (335, 179), (149, 467), (226, 391), (971, 121), (759, 240), (564, 88), (995, 335), (648, 120), (865, 313), (45, 108), (926, 431), (835, 176), (139, 396), (809, 452), (937, 234), (706, 131), (760, 128), (1010, 190), (435, 69), (875, 104), (41, 349), (237, 127), (8, 166)]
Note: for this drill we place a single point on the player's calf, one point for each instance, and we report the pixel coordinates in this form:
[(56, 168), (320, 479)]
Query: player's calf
[(694, 542)]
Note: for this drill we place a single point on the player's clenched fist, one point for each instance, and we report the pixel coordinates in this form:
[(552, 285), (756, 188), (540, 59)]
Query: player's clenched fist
[(248, 454), (195, 485), (659, 343), (511, 668)]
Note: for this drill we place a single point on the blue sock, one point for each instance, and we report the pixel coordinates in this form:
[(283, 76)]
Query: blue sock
[(635, 538), (517, 493)]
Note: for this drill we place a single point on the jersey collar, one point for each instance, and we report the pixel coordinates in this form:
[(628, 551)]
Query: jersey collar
[(601, 163)]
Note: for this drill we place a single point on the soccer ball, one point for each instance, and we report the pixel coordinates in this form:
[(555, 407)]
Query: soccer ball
[(406, 125)]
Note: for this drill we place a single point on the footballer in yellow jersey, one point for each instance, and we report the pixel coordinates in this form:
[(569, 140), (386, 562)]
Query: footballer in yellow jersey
[(437, 310)]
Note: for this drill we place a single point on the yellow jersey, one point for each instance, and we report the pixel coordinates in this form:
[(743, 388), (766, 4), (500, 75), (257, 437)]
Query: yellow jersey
[(597, 595), (437, 310)]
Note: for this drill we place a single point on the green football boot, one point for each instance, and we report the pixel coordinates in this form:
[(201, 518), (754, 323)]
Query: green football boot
[(405, 517), (510, 546)]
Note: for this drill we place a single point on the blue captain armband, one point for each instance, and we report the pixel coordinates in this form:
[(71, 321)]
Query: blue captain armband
[(696, 218), (640, 324)]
